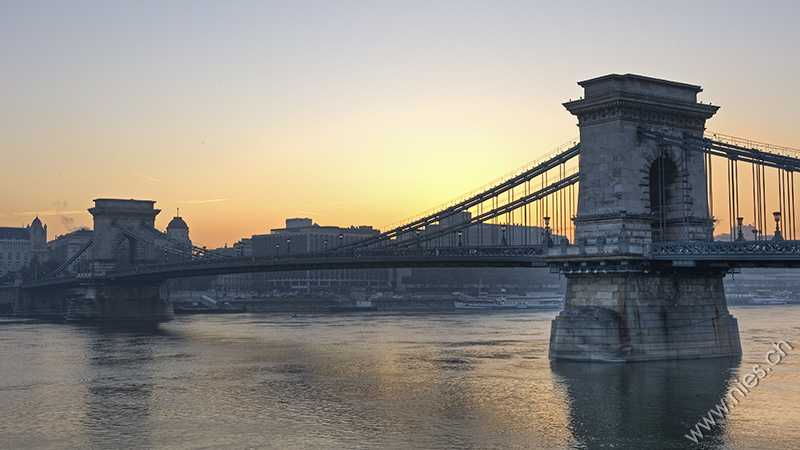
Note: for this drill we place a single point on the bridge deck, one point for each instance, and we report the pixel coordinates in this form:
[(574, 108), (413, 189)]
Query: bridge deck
[(505, 256), (739, 254)]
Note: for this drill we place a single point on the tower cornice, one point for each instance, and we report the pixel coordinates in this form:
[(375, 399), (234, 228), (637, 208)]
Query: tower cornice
[(639, 109)]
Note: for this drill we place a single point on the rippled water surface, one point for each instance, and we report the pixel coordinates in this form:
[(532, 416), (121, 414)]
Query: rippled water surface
[(371, 380)]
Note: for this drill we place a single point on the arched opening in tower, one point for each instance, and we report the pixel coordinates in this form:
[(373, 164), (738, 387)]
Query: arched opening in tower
[(664, 199)]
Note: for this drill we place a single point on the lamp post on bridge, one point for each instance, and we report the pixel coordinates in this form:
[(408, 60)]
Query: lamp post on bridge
[(341, 239), (288, 245), (547, 241), (739, 221), (503, 229), (326, 244), (277, 249), (460, 233), (777, 236)]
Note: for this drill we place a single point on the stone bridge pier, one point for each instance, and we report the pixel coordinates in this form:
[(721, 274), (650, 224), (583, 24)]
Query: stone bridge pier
[(620, 306)]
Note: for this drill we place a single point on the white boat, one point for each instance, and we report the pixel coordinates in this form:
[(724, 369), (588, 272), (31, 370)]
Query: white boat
[(767, 301), (503, 302)]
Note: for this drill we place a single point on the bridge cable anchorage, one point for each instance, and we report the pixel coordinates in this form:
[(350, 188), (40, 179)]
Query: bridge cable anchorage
[(475, 203), (736, 151)]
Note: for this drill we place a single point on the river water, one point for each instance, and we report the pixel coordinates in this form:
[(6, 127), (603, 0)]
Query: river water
[(377, 380)]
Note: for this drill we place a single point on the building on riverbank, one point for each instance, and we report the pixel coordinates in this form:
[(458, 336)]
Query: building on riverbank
[(301, 235), (18, 246)]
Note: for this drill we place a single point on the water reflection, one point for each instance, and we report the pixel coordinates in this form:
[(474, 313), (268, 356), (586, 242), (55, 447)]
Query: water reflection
[(646, 404), (118, 384)]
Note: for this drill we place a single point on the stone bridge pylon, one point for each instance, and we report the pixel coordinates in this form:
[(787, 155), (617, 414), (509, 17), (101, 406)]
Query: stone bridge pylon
[(111, 247), (114, 249), (620, 306)]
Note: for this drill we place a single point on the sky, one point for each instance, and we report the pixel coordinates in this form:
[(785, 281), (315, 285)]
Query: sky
[(245, 113)]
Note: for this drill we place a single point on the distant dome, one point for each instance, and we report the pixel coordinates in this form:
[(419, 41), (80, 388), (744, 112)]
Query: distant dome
[(177, 224), (36, 222)]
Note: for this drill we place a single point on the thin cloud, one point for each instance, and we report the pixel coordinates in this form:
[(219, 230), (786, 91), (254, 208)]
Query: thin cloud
[(144, 176), (42, 213), (196, 202), (305, 205), (330, 203), (312, 213)]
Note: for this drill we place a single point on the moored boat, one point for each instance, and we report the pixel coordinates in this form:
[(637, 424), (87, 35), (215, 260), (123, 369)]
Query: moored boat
[(768, 301), (503, 302)]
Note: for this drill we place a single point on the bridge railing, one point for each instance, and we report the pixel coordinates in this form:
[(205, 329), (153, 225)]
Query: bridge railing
[(670, 250), (405, 252)]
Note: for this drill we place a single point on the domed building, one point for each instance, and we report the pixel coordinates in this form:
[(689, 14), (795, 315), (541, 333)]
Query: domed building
[(177, 229), (178, 240), (38, 235)]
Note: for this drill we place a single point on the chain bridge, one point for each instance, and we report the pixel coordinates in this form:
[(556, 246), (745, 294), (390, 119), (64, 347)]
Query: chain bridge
[(631, 213)]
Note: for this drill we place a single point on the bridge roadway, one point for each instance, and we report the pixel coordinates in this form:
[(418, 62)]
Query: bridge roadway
[(737, 254), (503, 256)]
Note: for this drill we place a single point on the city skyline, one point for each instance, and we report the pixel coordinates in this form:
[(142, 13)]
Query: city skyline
[(354, 113)]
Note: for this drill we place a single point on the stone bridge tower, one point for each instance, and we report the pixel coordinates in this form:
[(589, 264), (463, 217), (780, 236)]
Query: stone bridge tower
[(111, 247), (633, 192)]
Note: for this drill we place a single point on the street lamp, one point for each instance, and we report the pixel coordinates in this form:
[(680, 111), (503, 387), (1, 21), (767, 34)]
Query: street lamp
[(288, 245), (739, 221), (777, 216), (326, 244), (277, 248), (547, 240), (460, 233), (417, 232), (503, 229), (341, 239)]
